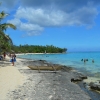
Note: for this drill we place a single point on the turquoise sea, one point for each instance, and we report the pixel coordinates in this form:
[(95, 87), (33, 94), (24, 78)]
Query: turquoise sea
[(72, 60)]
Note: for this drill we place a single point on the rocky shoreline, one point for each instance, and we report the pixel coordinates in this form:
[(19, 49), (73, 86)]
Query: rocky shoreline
[(46, 85)]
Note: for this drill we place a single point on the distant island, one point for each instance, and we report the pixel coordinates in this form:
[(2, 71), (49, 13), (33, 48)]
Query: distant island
[(38, 49)]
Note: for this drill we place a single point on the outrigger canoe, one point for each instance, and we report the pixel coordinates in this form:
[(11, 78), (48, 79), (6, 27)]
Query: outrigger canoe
[(51, 68)]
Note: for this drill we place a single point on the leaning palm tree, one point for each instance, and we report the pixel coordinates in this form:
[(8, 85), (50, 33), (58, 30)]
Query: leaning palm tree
[(5, 40)]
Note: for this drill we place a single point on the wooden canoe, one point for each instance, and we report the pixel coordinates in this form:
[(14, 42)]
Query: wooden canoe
[(51, 68)]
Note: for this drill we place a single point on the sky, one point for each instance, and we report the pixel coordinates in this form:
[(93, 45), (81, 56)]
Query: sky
[(71, 24)]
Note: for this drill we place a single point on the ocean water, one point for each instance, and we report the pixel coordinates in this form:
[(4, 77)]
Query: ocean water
[(72, 60)]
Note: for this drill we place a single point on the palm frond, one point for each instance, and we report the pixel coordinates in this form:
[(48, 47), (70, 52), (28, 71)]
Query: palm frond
[(3, 15), (11, 25), (6, 25)]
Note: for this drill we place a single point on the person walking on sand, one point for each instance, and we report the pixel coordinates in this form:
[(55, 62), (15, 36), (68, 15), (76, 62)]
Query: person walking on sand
[(13, 59)]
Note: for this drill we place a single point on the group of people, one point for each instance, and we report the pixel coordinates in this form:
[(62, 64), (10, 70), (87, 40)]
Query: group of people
[(87, 60)]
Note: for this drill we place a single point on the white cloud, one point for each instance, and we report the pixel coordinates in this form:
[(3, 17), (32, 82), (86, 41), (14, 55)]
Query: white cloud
[(30, 29), (15, 21), (45, 18), (54, 13), (41, 17), (64, 5)]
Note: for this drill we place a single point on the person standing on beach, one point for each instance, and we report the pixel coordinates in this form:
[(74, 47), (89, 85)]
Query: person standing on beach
[(13, 59), (4, 54)]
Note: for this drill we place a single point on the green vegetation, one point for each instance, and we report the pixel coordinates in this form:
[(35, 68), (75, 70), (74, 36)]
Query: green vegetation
[(38, 49), (5, 40)]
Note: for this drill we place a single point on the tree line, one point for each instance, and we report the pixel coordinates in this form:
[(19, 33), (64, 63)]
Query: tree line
[(38, 49)]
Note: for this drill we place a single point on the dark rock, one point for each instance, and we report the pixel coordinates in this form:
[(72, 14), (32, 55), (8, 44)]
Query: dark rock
[(80, 75), (91, 83), (94, 86), (84, 83), (66, 68), (83, 77), (76, 80)]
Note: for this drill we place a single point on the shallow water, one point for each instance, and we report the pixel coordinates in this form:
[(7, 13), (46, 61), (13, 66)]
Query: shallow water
[(72, 60)]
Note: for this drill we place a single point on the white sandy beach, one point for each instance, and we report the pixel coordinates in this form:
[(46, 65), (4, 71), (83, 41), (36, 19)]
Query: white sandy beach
[(10, 78)]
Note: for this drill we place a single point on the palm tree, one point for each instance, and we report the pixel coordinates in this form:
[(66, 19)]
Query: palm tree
[(5, 40)]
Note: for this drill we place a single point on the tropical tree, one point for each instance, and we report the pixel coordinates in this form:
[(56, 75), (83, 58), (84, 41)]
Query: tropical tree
[(5, 40), (38, 49)]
